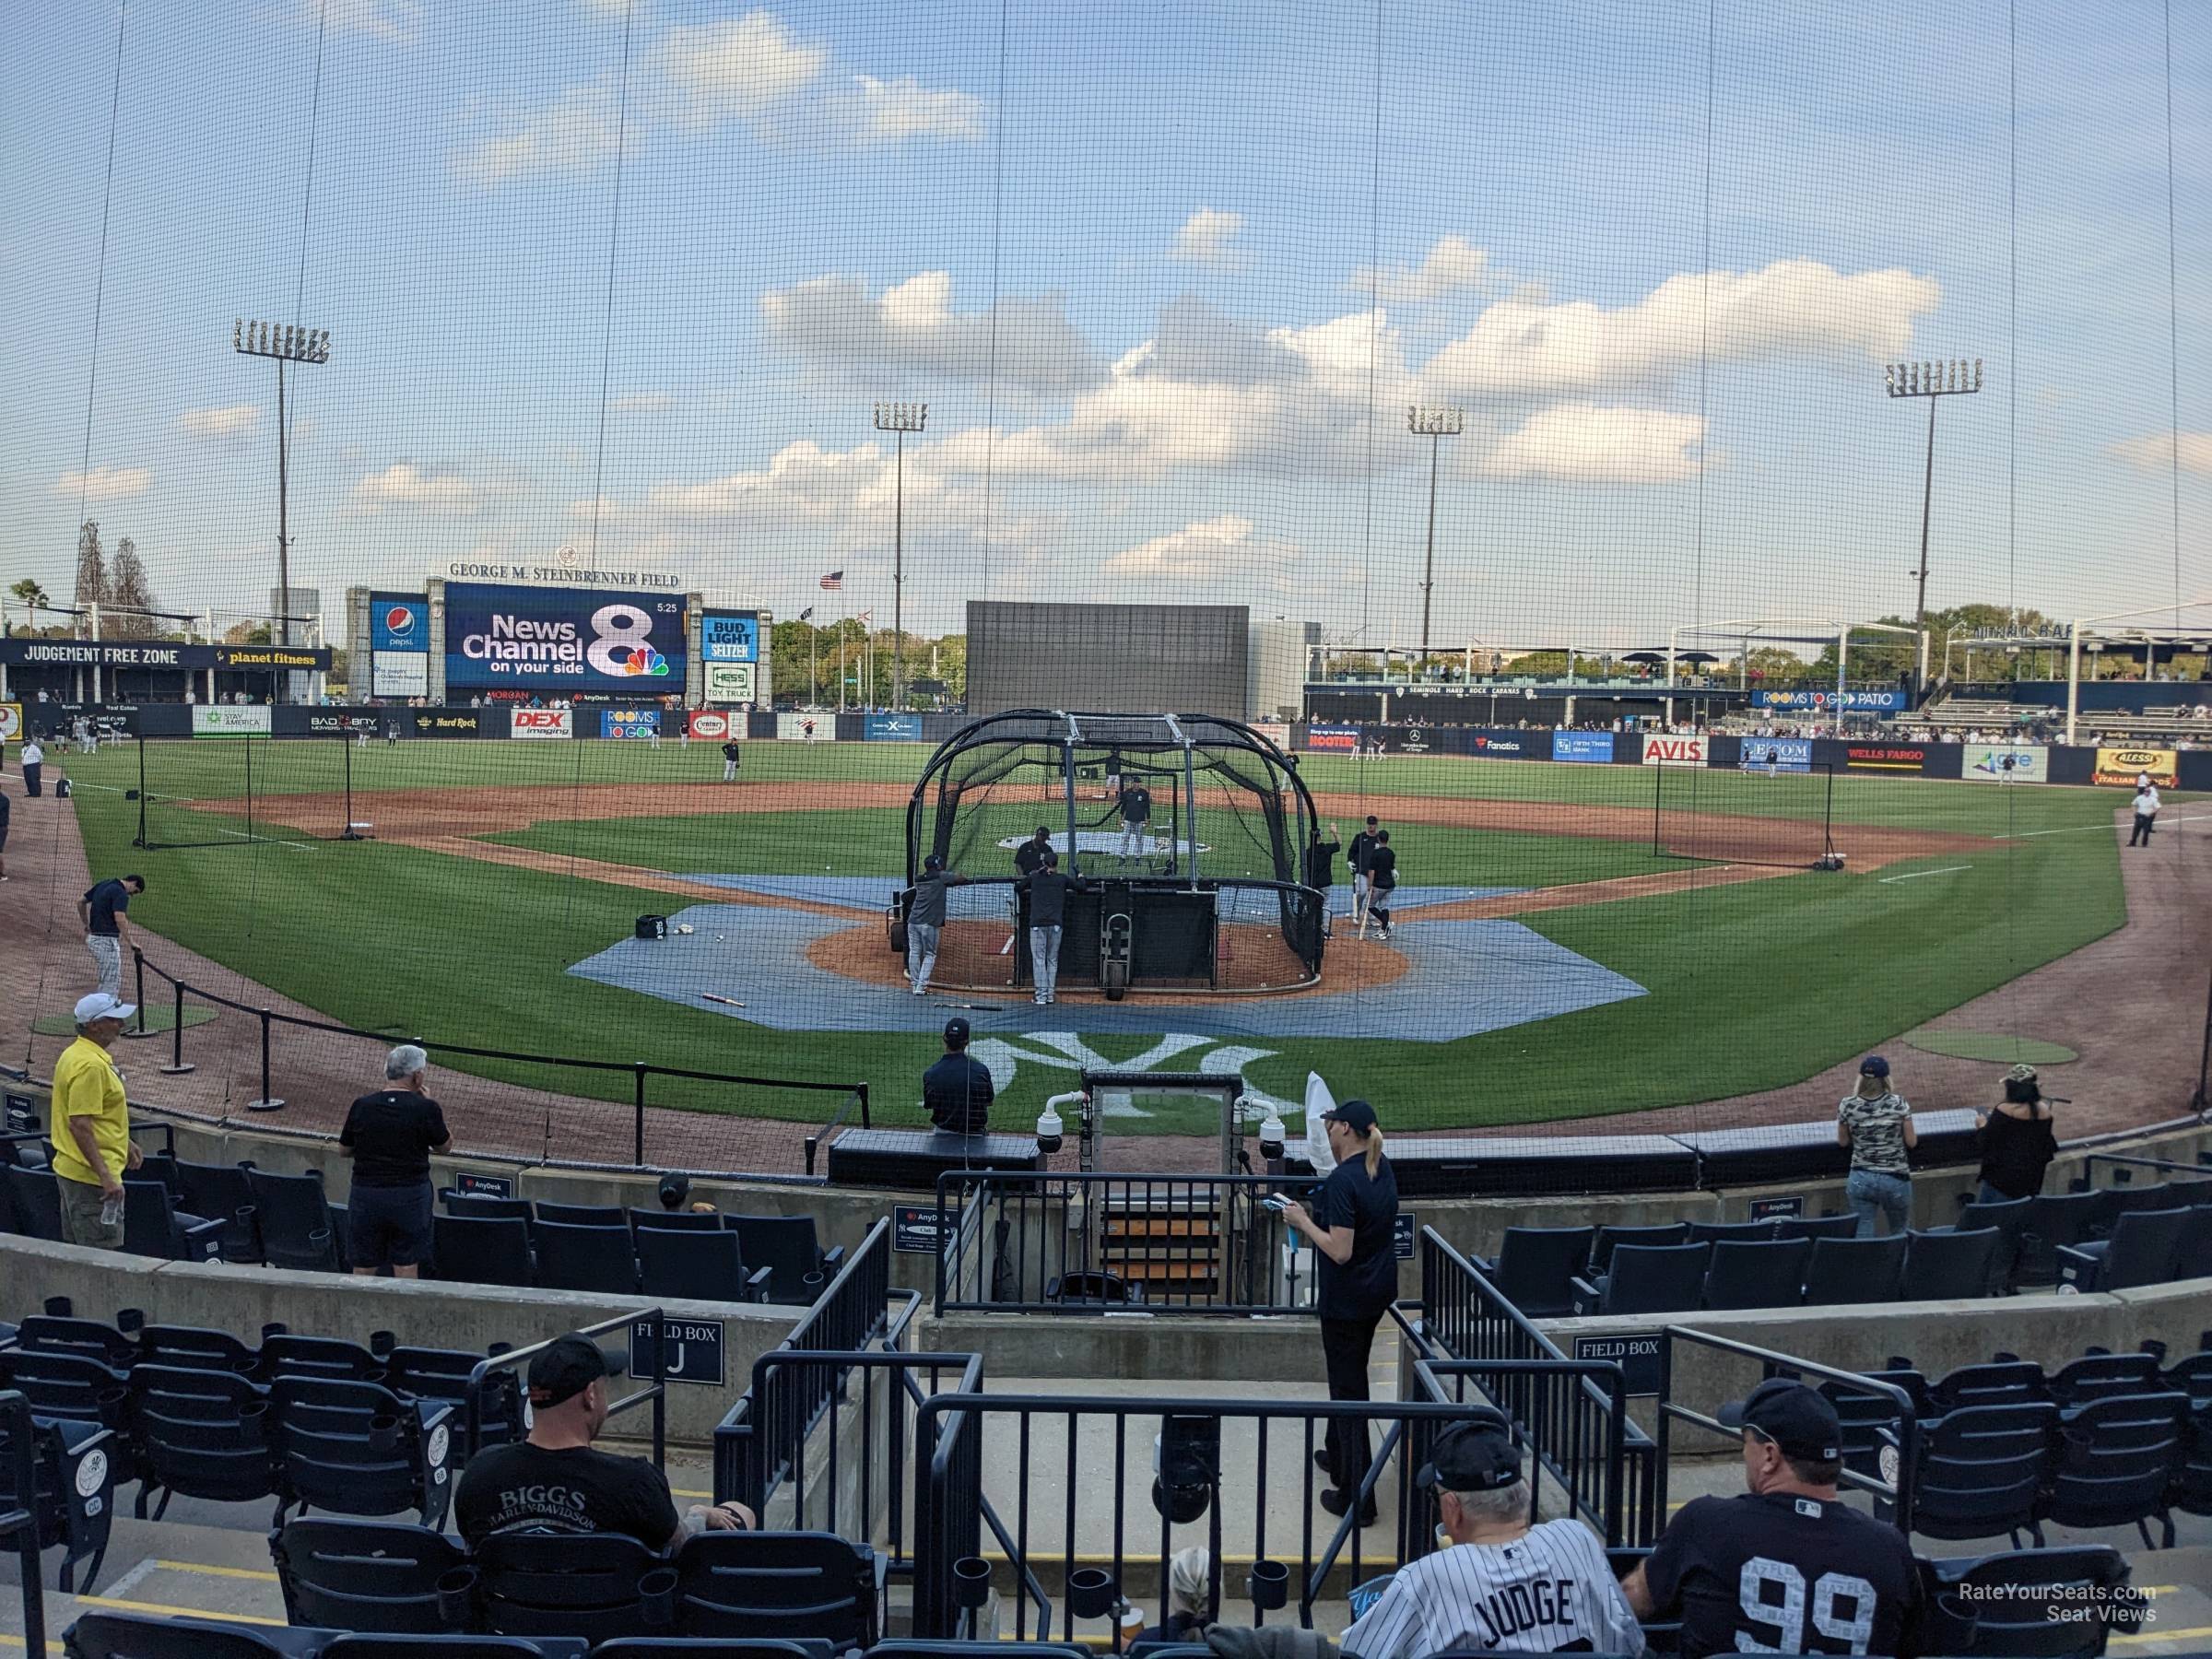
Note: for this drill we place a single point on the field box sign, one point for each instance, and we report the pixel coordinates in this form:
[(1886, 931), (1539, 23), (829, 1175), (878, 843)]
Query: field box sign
[(915, 1228), (472, 1185), (1637, 1353), (693, 1352), (1401, 1232)]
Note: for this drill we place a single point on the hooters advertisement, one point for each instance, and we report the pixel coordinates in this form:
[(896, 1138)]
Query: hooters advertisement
[(541, 722), (564, 639)]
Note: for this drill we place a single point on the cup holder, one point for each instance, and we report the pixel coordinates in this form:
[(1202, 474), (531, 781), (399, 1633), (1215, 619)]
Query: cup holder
[(458, 1598), (1270, 1585), (972, 1582), (1090, 1593), (656, 1598)]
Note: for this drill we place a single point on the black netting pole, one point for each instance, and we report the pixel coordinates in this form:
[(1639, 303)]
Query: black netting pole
[(141, 841), (249, 748), (345, 754)]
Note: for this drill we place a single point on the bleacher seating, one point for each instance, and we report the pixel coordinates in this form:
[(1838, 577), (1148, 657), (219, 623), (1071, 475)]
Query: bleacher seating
[(299, 1226), (1536, 1266), (73, 1505), (694, 1256), (1842, 1271), (1646, 1278)]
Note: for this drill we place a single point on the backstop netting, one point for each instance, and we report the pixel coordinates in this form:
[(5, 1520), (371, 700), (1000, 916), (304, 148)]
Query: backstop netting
[(234, 792)]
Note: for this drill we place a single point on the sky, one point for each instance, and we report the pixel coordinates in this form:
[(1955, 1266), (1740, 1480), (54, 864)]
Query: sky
[(631, 278)]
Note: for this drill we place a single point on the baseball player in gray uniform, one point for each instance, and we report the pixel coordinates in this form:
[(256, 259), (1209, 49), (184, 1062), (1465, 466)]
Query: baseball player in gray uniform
[(925, 921), (1503, 1586)]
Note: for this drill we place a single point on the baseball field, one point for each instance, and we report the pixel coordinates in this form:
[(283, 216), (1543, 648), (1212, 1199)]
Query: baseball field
[(1574, 941)]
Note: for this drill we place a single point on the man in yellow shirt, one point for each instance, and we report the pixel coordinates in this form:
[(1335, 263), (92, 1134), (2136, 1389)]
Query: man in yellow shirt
[(91, 1127)]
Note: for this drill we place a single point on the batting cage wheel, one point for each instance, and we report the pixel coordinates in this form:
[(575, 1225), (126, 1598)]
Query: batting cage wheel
[(1188, 837)]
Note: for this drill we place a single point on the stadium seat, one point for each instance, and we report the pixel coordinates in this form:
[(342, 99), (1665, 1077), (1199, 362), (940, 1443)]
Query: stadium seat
[(2053, 1219), (1841, 1271), (422, 1374), (488, 1250), (2144, 1249), (1946, 1266), (977, 1649), (479, 1207), (297, 1228), (203, 1432), (77, 1388), (1646, 1278), (675, 1220), (2029, 1603), (371, 1575), (1817, 1227), (1536, 1266), (35, 1196), (1865, 1416), (1748, 1274), (2097, 1376), (692, 1265), (143, 1636), (2116, 1459), (59, 1331), (595, 1587), (195, 1346), (796, 1583), (221, 1191), (74, 1474), (332, 1359), (2008, 1215), (344, 1645), (583, 1215), (798, 1265), (1610, 1238), (153, 1226), (714, 1647), (585, 1258), (1982, 1471), (1746, 1232), (2002, 1382), (358, 1449)]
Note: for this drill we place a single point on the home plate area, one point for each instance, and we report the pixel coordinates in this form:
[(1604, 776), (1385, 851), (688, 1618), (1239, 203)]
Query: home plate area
[(827, 968)]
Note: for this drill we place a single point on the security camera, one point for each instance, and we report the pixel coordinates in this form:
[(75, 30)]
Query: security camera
[(1271, 1135), (1048, 1131)]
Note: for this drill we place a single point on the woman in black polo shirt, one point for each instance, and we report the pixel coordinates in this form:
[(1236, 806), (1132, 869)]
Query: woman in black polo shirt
[(1353, 1225)]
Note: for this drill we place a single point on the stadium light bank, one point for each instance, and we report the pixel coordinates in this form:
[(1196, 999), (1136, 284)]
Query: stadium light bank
[(287, 342), (1930, 380), (901, 418)]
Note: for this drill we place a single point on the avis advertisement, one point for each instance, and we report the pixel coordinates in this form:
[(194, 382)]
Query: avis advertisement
[(563, 639)]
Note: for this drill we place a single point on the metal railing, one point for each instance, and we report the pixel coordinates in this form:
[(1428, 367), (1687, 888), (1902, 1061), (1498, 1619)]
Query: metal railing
[(654, 1394), (638, 1071), (20, 1524), (1893, 1488), (2125, 1165), (1573, 1414), (987, 1460), (1029, 1242)]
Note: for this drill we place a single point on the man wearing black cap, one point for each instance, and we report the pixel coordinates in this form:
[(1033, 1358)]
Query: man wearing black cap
[(1505, 1586), (555, 1481), (1047, 893), (1783, 1568), (925, 921), (1029, 858), (958, 1089)]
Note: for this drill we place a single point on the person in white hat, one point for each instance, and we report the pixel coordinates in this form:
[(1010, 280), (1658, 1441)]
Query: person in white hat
[(92, 1125)]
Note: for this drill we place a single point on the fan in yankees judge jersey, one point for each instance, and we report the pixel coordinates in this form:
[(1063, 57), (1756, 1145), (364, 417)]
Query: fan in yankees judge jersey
[(1783, 1568), (1504, 1586)]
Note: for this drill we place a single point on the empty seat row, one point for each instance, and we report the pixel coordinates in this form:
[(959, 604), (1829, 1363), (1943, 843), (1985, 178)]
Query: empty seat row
[(576, 1247), (1666, 1279), (141, 1636), (398, 1579), (185, 1211), (2036, 1230)]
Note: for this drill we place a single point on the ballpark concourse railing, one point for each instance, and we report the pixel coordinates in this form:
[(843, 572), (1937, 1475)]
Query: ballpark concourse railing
[(640, 1072), (1474, 1344)]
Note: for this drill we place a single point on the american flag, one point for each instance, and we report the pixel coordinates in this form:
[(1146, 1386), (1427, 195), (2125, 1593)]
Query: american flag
[(836, 579)]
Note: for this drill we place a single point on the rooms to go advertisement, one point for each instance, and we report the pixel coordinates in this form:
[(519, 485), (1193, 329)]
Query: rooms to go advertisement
[(562, 639)]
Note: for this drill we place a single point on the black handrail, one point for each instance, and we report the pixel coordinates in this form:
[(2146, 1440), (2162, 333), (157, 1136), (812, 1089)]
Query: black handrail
[(2201, 1169), (656, 1395), (1896, 1490), (638, 1069), (20, 1524)]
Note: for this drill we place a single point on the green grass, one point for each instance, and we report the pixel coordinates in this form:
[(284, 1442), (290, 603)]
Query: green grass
[(1751, 986)]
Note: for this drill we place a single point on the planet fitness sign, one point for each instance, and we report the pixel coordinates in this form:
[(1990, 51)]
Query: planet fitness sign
[(563, 640)]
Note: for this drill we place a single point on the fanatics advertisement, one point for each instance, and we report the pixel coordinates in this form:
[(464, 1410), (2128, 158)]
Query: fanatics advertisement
[(1344, 739), (1661, 750), (2005, 763), (711, 725), (1890, 702), (1885, 756), (1587, 746), (229, 720), (541, 722), (399, 646), (1510, 745), (730, 682), (562, 639), (1777, 755), (2124, 765), (644, 724), (724, 638)]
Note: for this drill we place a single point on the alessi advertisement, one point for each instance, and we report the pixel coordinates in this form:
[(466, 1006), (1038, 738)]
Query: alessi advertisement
[(2125, 765)]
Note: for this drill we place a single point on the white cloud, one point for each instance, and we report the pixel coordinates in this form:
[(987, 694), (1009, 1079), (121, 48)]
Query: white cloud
[(399, 22), (105, 483), (234, 420), (1452, 263), (892, 112), (734, 66), (835, 319), (2156, 452), (642, 402), (1793, 308), (403, 484), (1583, 443), (573, 135), (1207, 238), (1221, 549)]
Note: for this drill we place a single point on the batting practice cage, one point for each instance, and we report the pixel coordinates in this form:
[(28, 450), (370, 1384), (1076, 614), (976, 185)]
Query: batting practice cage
[(232, 791), (1186, 835)]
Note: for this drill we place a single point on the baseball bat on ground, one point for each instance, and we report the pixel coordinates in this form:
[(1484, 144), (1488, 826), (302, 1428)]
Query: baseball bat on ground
[(727, 1001)]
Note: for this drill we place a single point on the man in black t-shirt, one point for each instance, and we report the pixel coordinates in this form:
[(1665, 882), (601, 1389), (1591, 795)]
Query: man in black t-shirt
[(1029, 858), (1382, 880), (555, 1481), (1320, 861), (1137, 817), (732, 752), (1047, 892), (389, 1135), (1783, 1568), (958, 1089), (106, 934), (1356, 855)]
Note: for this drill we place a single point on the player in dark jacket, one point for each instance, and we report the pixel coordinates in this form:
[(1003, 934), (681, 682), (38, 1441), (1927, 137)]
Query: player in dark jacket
[(732, 752), (1362, 845), (1047, 892), (1382, 880), (958, 1089), (1029, 858)]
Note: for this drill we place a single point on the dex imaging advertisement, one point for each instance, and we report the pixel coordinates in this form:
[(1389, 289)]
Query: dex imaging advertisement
[(563, 640)]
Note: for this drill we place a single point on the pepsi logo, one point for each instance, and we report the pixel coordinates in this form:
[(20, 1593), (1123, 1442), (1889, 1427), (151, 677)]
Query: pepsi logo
[(399, 619)]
